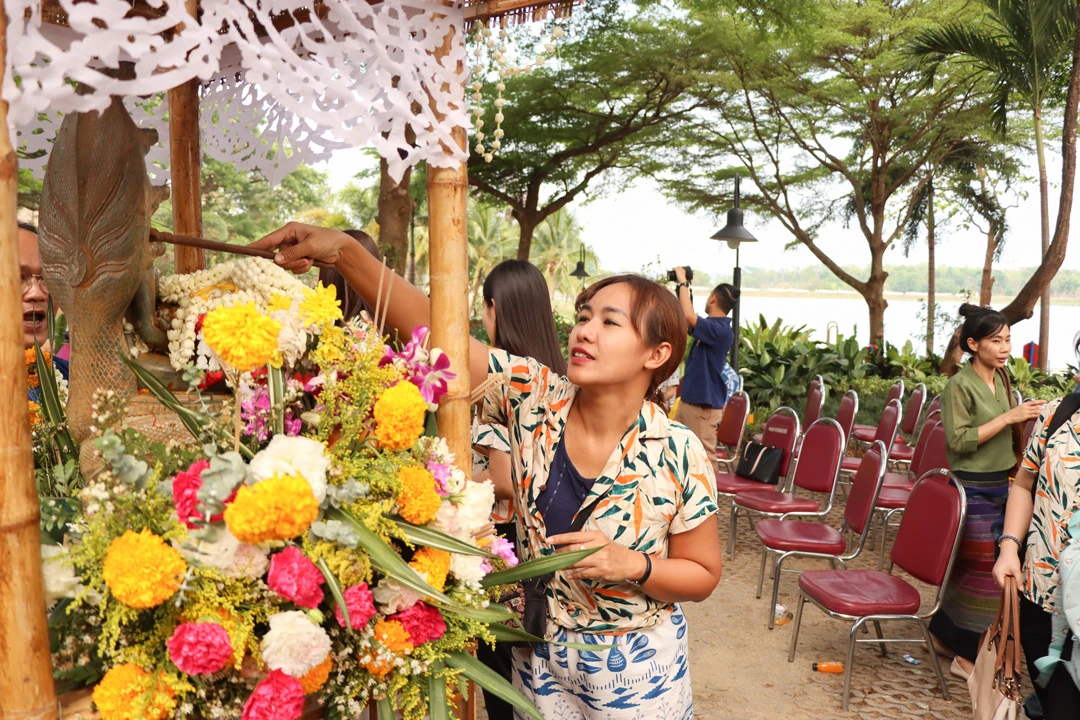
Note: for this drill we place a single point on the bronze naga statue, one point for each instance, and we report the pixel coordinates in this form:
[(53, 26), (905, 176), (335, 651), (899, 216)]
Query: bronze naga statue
[(96, 257)]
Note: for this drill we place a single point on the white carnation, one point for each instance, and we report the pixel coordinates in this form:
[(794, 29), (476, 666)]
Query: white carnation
[(467, 568), (446, 519), (227, 554), (300, 456), (394, 597), (60, 578), (250, 561), (474, 507), (294, 644)]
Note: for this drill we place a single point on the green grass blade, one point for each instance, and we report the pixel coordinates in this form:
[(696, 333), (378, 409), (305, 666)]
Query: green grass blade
[(432, 538), (438, 706), (491, 681), (537, 567)]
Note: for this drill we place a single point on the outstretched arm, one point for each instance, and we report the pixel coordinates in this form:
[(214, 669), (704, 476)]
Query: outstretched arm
[(301, 245)]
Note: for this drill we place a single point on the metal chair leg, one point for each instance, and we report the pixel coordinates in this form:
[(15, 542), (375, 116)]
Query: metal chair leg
[(761, 573), (881, 636), (778, 569), (934, 657), (798, 626), (850, 661), (733, 526)]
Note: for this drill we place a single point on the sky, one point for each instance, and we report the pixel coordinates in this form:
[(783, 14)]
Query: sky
[(628, 229)]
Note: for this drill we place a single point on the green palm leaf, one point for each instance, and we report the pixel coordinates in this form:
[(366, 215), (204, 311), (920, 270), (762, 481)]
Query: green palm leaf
[(50, 403), (432, 538), (491, 681), (537, 567), (438, 707)]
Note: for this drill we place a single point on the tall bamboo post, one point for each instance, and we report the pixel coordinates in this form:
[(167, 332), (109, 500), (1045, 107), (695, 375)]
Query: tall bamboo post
[(448, 191), (26, 681), (185, 160)]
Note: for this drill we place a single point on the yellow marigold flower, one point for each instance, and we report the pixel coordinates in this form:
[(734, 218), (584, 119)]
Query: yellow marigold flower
[(399, 416), (141, 570), (417, 498), (317, 676), (241, 336), (320, 306), (279, 301), (393, 636), (127, 692), (434, 563), (276, 509)]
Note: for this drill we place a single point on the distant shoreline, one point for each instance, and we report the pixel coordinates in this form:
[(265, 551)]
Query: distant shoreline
[(997, 300)]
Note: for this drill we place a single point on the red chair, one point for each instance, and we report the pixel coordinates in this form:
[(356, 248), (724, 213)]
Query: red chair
[(845, 414), (935, 405), (732, 429), (816, 471), (815, 401), (796, 538), (901, 451), (925, 548), (781, 430), (868, 433), (917, 467), (894, 497), (886, 433)]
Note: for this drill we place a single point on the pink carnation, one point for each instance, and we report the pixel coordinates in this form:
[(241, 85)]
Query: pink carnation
[(423, 623), (295, 578), (200, 648), (359, 603), (185, 488), (505, 549), (278, 697)]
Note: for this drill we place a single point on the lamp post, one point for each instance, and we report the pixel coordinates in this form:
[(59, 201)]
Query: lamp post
[(579, 270), (735, 234)]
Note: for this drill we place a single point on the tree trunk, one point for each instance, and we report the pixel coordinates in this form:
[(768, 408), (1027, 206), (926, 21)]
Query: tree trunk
[(931, 274), (875, 295), (527, 224), (395, 213), (986, 287), (1044, 208)]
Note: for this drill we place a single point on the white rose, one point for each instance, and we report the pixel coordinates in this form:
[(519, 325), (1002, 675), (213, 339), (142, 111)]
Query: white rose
[(60, 578), (293, 456), (393, 597), (294, 644)]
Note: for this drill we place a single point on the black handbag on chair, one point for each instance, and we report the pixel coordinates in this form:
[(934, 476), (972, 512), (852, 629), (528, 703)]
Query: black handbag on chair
[(760, 462)]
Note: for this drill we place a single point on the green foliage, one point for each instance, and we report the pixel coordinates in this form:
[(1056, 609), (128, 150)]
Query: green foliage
[(1033, 383)]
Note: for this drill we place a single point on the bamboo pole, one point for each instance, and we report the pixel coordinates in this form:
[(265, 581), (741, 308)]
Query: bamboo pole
[(448, 191), (26, 681), (185, 160)]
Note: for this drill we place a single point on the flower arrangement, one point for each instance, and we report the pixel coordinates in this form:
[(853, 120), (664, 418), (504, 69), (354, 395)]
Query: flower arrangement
[(321, 547)]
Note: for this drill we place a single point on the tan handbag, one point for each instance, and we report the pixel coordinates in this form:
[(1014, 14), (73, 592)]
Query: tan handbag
[(995, 682)]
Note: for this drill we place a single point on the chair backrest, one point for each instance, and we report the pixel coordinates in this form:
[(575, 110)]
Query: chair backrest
[(887, 424), (929, 535), (896, 391), (815, 400), (845, 414), (935, 404), (865, 487), (781, 430), (819, 459), (936, 456), (913, 410), (919, 453), (732, 425)]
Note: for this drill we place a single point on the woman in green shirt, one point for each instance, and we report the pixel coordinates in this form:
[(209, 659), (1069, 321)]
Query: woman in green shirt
[(978, 414)]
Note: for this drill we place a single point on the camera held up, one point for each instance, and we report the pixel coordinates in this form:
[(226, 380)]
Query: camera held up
[(689, 274)]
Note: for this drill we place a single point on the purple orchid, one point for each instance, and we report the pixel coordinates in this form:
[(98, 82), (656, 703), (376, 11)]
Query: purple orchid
[(429, 371)]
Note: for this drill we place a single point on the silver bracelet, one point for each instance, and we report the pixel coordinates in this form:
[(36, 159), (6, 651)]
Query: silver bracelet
[(1018, 541)]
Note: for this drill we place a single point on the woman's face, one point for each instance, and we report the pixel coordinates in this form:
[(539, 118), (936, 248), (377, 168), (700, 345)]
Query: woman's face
[(488, 319), (994, 350), (605, 348)]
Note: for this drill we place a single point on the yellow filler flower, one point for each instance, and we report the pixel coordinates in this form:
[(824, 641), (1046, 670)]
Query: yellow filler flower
[(399, 416), (127, 692), (276, 509), (241, 336), (141, 570)]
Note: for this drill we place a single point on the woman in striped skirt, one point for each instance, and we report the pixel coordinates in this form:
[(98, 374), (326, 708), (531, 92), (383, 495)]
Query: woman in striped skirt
[(978, 414)]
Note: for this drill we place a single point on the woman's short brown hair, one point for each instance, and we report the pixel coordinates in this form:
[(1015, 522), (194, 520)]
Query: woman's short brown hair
[(656, 316)]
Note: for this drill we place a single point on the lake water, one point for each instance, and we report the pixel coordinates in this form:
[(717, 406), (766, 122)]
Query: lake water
[(902, 320)]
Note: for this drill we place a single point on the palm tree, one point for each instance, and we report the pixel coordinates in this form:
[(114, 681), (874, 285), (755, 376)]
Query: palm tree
[(491, 240), (555, 250), (1019, 44)]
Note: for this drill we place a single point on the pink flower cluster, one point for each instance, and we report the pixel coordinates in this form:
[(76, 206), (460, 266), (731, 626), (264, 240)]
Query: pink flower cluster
[(423, 623), (278, 697), (441, 473), (200, 648), (295, 578), (429, 371), (360, 605), (505, 549), (185, 489)]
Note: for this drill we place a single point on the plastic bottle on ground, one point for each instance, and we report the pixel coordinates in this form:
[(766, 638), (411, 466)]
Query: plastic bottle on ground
[(829, 667)]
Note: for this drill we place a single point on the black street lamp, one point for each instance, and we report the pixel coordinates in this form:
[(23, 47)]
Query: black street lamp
[(579, 271), (735, 234)]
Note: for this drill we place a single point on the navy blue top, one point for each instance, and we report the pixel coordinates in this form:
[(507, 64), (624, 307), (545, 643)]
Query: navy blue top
[(563, 495), (703, 381)]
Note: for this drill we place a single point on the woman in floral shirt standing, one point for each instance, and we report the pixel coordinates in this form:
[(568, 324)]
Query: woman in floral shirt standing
[(592, 439), (1040, 520)]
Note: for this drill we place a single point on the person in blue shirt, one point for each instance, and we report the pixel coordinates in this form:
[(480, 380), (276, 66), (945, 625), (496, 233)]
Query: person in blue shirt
[(704, 390)]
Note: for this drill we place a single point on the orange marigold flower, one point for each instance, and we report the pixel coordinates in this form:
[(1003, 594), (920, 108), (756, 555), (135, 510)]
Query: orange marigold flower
[(127, 692), (417, 499), (317, 676), (35, 412), (434, 563), (394, 638)]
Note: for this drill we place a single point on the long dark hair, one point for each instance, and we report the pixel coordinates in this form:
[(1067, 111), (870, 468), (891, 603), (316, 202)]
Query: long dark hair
[(979, 323), (351, 302), (524, 321), (657, 317)]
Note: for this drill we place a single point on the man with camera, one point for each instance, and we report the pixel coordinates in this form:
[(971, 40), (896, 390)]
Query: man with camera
[(704, 391)]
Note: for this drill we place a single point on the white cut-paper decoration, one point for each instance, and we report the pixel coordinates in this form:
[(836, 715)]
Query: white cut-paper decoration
[(351, 75)]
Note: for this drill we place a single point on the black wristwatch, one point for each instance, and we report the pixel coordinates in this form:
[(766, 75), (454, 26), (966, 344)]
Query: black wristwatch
[(682, 284), (648, 571)]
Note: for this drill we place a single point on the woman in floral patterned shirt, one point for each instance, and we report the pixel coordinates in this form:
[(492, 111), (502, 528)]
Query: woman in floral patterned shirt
[(592, 438), (1051, 467)]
